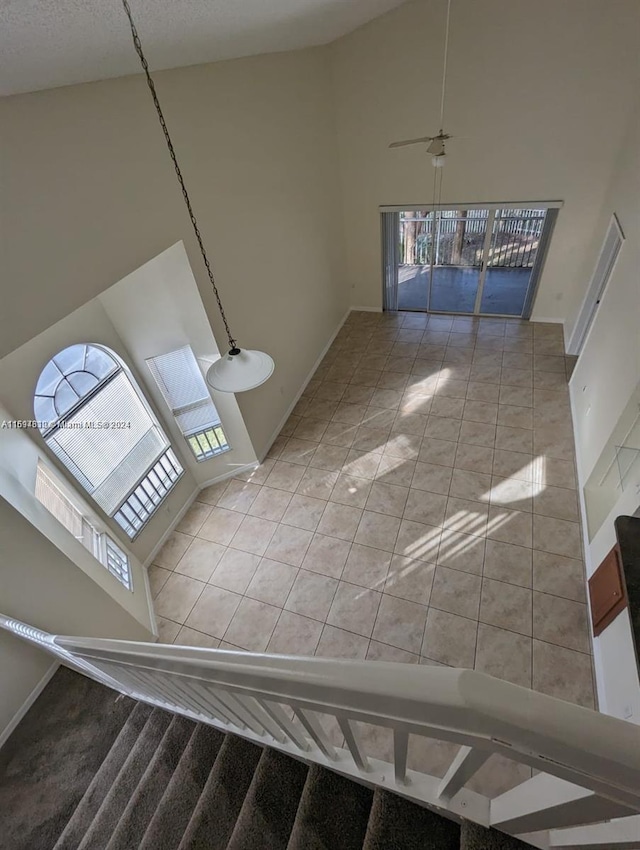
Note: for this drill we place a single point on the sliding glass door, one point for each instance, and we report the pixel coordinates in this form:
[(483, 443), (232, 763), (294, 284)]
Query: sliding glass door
[(474, 261), (511, 254), (458, 260), (414, 230)]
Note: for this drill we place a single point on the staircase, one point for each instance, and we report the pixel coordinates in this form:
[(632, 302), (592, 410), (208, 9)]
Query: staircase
[(88, 770), (209, 748)]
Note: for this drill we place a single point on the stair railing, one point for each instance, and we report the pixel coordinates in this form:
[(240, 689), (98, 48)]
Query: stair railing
[(314, 708)]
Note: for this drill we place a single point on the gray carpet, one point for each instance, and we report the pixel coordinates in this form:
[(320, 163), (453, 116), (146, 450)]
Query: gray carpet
[(87, 769)]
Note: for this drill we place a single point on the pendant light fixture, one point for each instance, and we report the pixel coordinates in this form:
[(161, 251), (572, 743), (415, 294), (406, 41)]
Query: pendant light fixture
[(239, 369)]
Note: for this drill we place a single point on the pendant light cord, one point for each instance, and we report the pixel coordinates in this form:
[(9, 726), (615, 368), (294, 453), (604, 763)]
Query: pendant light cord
[(145, 67), (444, 65)]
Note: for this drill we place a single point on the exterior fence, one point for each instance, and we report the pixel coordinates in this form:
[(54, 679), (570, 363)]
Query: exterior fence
[(459, 238)]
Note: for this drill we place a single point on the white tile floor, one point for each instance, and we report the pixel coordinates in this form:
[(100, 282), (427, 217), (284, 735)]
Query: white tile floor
[(419, 506)]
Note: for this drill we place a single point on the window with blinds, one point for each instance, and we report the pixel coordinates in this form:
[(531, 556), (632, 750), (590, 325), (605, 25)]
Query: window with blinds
[(180, 381), (52, 495), (98, 425)]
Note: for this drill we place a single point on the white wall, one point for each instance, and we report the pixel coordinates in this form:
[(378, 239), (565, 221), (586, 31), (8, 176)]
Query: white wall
[(22, 670), (541, 92), (40, 585), (90, 195), (608, 368), (606, 375), (48, 579)]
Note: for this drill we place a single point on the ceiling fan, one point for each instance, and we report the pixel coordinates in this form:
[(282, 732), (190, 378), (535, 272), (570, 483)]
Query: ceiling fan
[(436, 148), (436, 143)]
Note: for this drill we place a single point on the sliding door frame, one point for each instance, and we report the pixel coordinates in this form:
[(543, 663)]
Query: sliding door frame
[(551, 216), (485, 265), (541, 256)]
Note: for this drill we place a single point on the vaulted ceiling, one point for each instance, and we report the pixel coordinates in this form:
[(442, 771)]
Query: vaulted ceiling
[(50, 43)]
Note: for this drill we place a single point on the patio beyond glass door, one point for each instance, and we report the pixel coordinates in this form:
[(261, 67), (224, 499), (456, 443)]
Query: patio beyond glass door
[(511, 256), (483, 261), (415, 258), (458, 260)]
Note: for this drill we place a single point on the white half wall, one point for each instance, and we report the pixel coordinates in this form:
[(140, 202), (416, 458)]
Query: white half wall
[(42, 586), (22, 670)]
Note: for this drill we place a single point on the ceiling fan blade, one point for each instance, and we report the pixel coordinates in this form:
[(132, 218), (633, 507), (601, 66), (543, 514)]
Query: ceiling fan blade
[(411, 142)]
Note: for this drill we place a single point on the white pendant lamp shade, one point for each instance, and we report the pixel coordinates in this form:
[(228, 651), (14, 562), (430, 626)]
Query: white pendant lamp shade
[(239, 370)]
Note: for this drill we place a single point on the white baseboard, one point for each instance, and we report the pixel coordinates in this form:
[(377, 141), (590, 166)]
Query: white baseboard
[(149, 597), (149, 559), (296, 399), (231, 474), (555, 321), (26, 705), (365, 309)]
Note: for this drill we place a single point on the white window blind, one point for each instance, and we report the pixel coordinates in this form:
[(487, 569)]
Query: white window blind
[(51, 495), (110, 443), (180, 381)]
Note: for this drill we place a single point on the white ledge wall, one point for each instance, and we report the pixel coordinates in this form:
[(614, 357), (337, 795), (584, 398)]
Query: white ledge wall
[(40, 584)]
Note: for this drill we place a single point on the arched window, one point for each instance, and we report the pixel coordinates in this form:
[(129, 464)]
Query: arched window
[(95, 420)]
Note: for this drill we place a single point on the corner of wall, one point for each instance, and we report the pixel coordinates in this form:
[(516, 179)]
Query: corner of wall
[(265, 450)]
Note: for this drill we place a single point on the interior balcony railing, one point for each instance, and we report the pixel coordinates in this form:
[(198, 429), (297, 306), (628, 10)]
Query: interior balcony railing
[(585, 791)]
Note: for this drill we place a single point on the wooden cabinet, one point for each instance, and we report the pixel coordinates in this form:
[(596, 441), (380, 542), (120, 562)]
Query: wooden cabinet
[(607, 594)]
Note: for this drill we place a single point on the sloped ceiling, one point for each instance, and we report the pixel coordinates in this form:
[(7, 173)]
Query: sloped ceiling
[(50, 43)]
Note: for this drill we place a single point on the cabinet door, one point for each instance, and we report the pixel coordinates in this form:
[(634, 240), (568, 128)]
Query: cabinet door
[(607, 595)]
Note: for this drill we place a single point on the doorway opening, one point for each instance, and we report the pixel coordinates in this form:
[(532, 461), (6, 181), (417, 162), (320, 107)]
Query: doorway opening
[(599, 280), (473, 260)]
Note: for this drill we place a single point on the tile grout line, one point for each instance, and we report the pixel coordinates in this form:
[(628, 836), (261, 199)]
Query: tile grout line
[(503, 354)]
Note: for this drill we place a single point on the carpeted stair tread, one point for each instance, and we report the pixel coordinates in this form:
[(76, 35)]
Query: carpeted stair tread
[(333, 812), (476, 837), (181, 795), (217, 811), (269, 810), (117, 797), (398, 824), (53, 754), (145, 799), (104, 778), (88, 769)]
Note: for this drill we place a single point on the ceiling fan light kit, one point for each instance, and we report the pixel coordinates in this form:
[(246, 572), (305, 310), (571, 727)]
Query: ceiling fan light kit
[(239, 369)]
